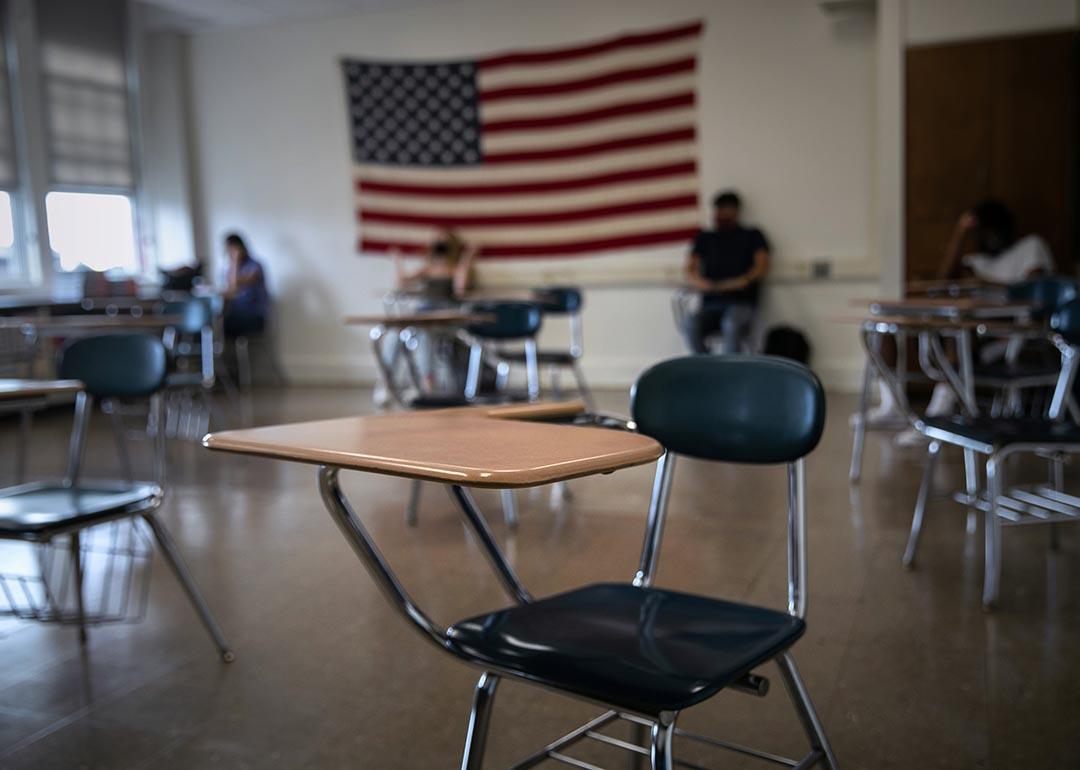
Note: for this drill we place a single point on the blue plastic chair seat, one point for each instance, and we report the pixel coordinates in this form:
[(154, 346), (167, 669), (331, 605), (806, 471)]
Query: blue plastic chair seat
[(33, 511), (996, 432), (643, 649)]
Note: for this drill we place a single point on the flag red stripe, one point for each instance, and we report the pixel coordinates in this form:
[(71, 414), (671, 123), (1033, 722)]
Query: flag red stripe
[(627, 75), (591, 49), (556, 185), (570, 248), (590, 116), (532, 218), (576, 150)]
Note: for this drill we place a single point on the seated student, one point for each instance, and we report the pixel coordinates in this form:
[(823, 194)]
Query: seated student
[(726, 264), (247, 303), (998, 258), (446, 273)]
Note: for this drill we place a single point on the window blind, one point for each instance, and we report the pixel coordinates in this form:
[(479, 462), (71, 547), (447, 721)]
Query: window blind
[(85, 88)]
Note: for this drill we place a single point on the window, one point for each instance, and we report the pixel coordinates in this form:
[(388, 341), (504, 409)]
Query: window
[(92, 230), (87, 115)]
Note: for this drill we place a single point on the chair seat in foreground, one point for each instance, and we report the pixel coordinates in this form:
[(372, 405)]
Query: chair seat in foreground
[(643, 649)]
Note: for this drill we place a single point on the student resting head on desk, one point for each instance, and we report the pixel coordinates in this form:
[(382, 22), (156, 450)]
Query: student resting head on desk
[(446, 273), (999, 257), (726, 265), (247, 303)]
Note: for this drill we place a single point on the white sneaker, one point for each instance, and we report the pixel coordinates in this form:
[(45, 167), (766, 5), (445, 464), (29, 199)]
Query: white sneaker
[(880, 415), (910, 438)]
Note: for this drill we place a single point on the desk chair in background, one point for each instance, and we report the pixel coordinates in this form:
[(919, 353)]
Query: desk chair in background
[(193, 372), (997, 438), (89, 548), (645, 653), (510, 335), (508, 323), (561, 301)]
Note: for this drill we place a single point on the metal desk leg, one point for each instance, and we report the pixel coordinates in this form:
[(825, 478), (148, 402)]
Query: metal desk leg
[(859, 441)]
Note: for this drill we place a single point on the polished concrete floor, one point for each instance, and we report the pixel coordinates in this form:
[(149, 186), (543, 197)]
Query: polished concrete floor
[(905, 667)]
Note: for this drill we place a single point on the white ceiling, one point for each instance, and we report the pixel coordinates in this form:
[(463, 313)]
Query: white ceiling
[(193, 15)]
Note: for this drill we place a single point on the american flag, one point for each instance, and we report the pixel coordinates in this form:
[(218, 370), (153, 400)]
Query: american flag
[(536, 153)]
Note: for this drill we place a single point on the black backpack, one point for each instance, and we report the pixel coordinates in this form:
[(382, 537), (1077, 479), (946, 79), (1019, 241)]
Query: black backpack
[(787, 342)]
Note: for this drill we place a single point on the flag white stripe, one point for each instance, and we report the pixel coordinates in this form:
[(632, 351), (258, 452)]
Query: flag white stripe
[(495, 205), (608, 130), (575, 69), (654, 88), (523, 235), (531, 171)]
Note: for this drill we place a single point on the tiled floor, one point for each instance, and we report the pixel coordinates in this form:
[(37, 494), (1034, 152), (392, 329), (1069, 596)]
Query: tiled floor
[(905, 667)]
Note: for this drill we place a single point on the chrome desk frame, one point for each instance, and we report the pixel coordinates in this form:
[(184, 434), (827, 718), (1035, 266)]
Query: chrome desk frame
[(1001, 506), (661, 728)]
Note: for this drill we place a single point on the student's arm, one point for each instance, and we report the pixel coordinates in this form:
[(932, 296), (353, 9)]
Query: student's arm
[(954, 249), (404, 278), (692, 273), (463, 271)]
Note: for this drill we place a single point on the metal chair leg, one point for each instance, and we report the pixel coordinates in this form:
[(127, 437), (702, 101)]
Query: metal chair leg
[(800, 697), (583, 387), (509, 504), (472, 379), (859, 440), (932, 453), (660, 753), (77, 576), (121, 440), (412, 508), (479, 719), (84, 405), (992, 567), (187, 582), (971, 486)]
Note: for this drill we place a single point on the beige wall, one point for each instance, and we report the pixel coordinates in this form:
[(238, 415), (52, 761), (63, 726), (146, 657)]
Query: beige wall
[(786, 116)]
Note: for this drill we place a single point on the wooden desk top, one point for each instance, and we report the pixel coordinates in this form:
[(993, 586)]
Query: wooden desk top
[(952, 307), (61, 323), (940, 323), (422, 318), (482, 446), (11, 390)]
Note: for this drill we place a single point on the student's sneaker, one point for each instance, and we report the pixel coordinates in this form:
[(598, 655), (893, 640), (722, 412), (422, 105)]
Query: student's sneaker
[(910, 438), (882, 414)]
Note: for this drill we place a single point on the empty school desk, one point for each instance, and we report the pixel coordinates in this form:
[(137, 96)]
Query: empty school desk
[(75, 325), (386, 359), (930, 319), (24, 396)]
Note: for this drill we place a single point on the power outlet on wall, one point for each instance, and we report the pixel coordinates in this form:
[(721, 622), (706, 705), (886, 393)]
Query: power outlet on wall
[(821, 269)]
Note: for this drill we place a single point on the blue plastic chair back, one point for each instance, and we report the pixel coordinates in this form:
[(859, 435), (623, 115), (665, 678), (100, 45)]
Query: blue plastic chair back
[(196, 313), (115, 365), (1047, 294), (509, 320), (732, 408), (558, 299)]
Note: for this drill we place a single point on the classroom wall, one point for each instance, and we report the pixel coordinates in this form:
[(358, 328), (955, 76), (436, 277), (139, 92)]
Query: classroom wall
[(168, 232), (939, 21), (786, 114)]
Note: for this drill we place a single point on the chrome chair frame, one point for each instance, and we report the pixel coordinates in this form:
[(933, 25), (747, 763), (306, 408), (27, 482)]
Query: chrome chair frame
[(661, 728), (1001, 507)]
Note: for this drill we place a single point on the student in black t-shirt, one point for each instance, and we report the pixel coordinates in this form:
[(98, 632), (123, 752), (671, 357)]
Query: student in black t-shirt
[(726, 265)]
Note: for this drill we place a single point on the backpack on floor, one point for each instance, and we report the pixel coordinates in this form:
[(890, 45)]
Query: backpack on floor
[(787, 342)]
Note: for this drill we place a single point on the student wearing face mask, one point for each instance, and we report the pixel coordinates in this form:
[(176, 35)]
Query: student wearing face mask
[(726, 264)]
